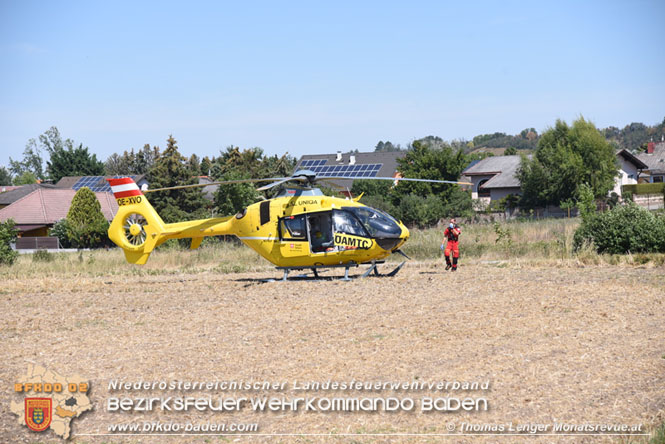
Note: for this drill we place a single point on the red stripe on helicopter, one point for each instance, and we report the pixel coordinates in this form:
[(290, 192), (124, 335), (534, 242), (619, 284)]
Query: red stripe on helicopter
[(127, 193), (121, 181)]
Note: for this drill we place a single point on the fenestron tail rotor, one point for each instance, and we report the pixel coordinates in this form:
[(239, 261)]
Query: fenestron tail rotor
[(134, 228)]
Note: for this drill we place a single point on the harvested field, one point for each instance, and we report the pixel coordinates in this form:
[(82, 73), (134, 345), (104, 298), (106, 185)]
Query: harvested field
[(558, 344)]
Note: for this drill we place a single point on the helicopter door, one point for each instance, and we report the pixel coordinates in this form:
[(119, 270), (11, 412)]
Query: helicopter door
[(293, 236), (320, 232)]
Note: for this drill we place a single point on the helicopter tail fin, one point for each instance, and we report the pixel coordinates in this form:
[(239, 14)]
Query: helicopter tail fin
[(136, 227)]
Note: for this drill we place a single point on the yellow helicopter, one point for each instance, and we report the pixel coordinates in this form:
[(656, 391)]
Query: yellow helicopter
[(300, 228)]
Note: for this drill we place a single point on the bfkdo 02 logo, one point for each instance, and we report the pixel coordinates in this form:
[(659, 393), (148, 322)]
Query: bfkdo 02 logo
[(51, 401)]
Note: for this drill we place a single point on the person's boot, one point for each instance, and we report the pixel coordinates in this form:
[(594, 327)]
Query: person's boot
[(448, 264), (454, 264)]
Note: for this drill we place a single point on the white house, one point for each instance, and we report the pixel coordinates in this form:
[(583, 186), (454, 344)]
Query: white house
[(630, 168)]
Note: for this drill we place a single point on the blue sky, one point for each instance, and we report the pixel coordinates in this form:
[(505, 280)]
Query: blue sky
[(315, 77)]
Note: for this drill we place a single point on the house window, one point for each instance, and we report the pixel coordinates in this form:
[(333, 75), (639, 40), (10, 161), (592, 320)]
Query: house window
[(631, 176), (657, 179), (481, 191)]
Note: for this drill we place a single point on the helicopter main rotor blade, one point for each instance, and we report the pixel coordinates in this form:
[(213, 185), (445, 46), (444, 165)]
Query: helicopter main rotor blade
[(302, 177), (223, 182), (393, 179), (274, 184)]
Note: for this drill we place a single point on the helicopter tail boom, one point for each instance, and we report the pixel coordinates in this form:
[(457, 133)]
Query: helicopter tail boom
[(138, 229)]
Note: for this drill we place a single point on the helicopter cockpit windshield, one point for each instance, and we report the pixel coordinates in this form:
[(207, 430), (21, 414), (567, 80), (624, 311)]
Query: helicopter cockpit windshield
[(377, 223)]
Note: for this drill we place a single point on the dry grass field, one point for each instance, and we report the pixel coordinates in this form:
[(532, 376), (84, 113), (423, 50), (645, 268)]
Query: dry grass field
[(561, 342)]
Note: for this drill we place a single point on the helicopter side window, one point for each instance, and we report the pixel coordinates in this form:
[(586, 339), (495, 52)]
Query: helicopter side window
[(345, 222), (320, 231), (293, 227)]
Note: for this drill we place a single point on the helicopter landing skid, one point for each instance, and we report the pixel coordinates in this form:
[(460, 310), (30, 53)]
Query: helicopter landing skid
[(373, 268)]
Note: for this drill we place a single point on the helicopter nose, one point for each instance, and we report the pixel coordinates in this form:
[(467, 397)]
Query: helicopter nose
[(404, 236)]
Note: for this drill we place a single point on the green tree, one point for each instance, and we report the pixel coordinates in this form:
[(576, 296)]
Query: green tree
[(371, 187), (67, 159), (424, 162), (130, 163), (421, 211), (194, 165), (170, 170), (510, 151), (86, 225), (387, 146), (278, 166), (26, 178), (5, 176), (233, 198), (7, 237), (206, 166), (566, 158), (248, 161), (32, 161), (252, 163)]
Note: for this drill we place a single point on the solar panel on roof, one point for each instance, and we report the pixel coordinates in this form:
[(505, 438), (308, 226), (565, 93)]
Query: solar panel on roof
[(96, 183)]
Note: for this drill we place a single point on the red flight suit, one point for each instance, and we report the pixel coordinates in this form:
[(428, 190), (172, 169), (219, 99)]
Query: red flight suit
[(453, 245)]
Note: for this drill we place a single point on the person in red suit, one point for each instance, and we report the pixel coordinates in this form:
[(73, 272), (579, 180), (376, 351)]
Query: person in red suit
[(451, 233)]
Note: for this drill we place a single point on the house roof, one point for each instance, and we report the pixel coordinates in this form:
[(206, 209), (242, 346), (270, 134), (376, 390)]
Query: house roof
[(384, 165), (11, 196), (632, 159), (656, 160), (502, 168), (210, 190), (5, 188), (49, 205)]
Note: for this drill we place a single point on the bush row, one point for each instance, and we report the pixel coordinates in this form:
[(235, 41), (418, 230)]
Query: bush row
[(625, 228)]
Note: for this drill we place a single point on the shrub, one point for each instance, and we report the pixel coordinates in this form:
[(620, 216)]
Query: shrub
[(42, 256), (421, 211), (59, 230), (7, 237), (86, 225), (624, 228), (586, 203)]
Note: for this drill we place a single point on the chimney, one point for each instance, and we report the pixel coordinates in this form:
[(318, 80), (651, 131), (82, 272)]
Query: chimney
[(339, 156), (650, 146), (352, 159)]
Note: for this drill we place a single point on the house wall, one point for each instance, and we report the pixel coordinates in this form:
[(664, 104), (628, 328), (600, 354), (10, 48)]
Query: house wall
[(500, 193), (628, 175), (475, 180)]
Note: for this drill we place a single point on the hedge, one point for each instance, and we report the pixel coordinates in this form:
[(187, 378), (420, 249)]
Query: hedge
[(645, 188)]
